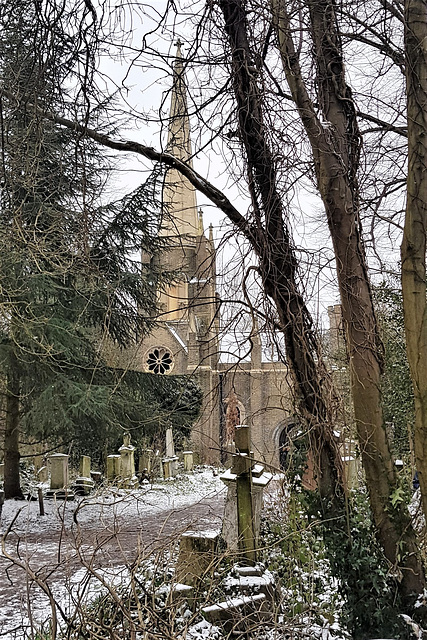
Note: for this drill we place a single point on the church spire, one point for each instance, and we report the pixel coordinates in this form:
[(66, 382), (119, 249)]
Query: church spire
[(179, 196)]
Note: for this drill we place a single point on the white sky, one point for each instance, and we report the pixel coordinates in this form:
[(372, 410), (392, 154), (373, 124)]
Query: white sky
[(146, 88)]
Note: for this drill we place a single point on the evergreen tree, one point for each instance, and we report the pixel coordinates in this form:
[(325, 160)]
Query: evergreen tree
[(71, 289)]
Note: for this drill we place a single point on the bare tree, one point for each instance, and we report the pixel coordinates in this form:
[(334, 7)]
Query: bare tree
[(415, 231), (329, 117), (335, 143)]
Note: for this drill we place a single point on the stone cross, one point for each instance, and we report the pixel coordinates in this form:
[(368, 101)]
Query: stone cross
[(242, 468), (246, 481)]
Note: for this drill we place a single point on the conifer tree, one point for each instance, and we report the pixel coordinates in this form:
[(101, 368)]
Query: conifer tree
[(71, 288)]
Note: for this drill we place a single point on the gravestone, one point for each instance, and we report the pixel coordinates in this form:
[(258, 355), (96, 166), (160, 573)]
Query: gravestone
[(188, 461), (128, 478), (59, 478), (170, 447), (84, 483), (170, 461), (85, 466), (146, 461), (58, 471), (43, 474), (197, 554), (242, 514), (167, 468), (113, 468), (40, 469)]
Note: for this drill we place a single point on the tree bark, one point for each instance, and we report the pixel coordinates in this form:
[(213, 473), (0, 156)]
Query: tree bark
[(12, 486), (413, 250), (335, 143), (271, 240)]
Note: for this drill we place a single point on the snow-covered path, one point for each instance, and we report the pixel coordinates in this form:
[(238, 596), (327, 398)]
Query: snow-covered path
[(107, 532)]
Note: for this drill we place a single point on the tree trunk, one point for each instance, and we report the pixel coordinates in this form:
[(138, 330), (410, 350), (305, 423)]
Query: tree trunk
[(12, 486), (413, 249), (335, 147), (270, 239)]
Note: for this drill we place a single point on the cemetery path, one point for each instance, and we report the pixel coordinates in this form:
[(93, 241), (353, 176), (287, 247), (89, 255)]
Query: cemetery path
[(95, 535)]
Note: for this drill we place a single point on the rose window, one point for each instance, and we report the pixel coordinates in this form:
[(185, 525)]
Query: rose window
[(159, 360)]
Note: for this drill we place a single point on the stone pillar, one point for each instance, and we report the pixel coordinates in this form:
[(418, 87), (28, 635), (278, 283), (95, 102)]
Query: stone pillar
[(113, 467), (58, 471), (170, 461), (188, 461), (170, 447)]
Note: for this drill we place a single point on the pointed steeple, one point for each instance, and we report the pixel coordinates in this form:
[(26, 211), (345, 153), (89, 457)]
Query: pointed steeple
[(179, 196), (201, 227)]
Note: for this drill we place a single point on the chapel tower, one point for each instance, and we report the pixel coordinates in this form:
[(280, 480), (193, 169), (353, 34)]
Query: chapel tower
[(186, 338)]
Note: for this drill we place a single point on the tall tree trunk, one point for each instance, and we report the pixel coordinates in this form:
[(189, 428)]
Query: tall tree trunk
[(270, 239), (413, 249), (12, 486), (335, 144)]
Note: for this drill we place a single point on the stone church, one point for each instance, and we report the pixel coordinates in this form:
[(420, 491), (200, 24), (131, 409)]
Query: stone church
[(187, 338)]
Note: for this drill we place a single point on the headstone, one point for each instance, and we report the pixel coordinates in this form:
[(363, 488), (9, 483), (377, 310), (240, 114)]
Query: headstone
[(351, 471), (167, 468), (239, 616), (59, 478), (146, 461), (159, 464), (113, 468), (84, 483), (58, 471), (85, 466), (96, 476), (127, 463), (245, 481), (188, 461), (196, 556)]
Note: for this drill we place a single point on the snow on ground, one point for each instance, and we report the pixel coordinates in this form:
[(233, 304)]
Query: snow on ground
[(111, 504), (107, 510)]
